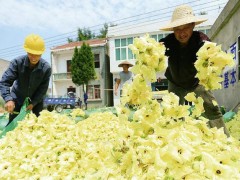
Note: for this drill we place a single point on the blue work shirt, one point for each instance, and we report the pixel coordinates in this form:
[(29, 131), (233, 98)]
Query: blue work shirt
[(19, 81)]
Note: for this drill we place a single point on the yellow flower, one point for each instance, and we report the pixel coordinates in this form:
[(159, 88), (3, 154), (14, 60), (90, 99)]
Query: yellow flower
[(191, 97), (77, 112), (214, 103), (210, 64), (216, 170), (177, 112), (170, 100)]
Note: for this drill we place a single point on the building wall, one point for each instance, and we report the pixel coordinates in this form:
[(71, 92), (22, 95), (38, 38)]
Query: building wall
[(4, 65), (59, 65), (60, 88), (225, 31)]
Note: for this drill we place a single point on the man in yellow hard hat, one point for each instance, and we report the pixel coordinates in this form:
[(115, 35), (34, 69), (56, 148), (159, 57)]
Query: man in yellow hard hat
[(27, 76)]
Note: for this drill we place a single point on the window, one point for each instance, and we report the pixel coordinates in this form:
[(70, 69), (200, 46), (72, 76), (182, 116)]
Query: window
[(166, 34), (160, 36), (207, 30), (157, 37), (68, 65), (122, 52), (71, 89), (96, 60), (94, 92), (71, 92)]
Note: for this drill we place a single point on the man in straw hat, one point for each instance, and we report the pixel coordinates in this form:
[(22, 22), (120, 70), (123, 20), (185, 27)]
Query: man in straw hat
[(182, 46), (123, 76)]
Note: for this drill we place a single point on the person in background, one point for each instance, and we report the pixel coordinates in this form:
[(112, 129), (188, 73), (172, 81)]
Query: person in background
[(182, 46), (71, 94), (79, 102), (123, 76), (26, 76), (85, 98), (154, 84)]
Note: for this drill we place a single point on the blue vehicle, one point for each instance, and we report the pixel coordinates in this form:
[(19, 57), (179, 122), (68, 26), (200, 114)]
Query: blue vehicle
[(58, 104)]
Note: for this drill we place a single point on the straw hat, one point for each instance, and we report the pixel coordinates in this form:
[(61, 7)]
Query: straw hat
[(125, 62), (182, 15)]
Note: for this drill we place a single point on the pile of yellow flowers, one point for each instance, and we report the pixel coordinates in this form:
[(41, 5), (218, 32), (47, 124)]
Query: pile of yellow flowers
[(105, 146), (162, 141), (210, 65), (77, 113)]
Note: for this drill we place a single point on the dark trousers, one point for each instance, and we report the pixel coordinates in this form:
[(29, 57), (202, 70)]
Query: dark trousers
[(211, 112), (36, 110), (85, 102)]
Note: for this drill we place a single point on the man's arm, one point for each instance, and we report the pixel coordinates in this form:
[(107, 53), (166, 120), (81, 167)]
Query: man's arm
[(116, 86)]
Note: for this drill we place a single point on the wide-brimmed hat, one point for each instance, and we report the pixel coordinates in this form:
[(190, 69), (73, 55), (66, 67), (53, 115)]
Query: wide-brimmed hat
[(182, 15), (125, 62)]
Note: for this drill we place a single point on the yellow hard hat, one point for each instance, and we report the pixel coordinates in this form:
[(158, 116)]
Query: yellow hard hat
[(34, 44)]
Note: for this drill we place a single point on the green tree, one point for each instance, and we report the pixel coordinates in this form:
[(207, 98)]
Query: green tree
[(103, 31), (82, 66), (83, 34), (69, 40), (86, 34)]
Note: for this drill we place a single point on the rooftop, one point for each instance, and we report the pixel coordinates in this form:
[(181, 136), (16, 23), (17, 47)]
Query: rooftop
[(72, 45)]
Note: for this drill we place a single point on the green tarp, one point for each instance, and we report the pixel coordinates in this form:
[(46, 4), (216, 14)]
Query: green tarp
[(14, 123)]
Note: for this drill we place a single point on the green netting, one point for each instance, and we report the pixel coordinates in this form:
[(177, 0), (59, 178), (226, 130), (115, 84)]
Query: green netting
[(20, 117)]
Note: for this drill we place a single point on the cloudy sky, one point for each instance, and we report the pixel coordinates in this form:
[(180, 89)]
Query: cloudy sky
[(56, 20)]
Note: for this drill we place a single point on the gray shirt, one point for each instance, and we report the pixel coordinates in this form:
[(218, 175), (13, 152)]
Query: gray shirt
[(124, 76)]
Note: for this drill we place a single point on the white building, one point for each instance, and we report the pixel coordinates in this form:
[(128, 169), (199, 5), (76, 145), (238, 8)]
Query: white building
[(4, 65), (99, 94), (121, 36)]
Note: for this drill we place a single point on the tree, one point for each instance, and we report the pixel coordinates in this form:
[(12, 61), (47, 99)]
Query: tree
[(103, 31), (86, 34), (75, 67), (83, 34), (82, 66), (69, 40)]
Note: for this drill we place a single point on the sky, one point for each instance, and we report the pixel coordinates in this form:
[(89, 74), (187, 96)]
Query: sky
[(56, 20)]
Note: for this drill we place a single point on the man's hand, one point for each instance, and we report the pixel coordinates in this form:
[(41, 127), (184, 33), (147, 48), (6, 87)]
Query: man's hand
[(9, 106), (30, 107), (115, 92)]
